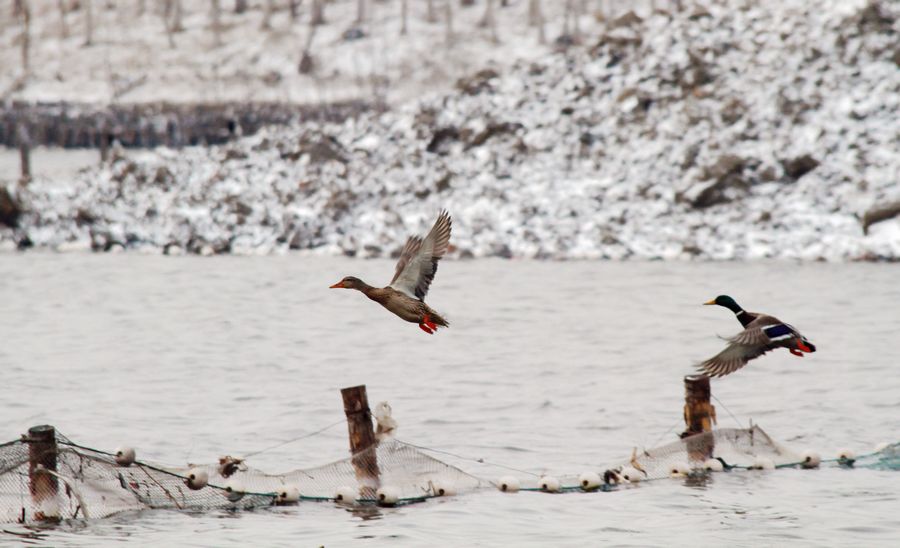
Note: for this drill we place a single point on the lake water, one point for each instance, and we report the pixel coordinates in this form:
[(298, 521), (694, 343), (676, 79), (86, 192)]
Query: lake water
[(548, 366)]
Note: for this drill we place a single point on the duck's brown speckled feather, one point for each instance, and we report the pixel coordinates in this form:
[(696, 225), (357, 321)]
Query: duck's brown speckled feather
[(404, 306)]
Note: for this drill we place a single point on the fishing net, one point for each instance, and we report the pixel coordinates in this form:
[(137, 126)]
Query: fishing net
[(89, 483), (64, 480)]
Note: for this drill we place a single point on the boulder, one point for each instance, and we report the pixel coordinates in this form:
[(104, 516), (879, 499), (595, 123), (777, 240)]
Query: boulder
[(10, 208), (799, 166)]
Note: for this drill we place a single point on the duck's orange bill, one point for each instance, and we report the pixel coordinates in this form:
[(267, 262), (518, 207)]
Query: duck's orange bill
[(339, 285)]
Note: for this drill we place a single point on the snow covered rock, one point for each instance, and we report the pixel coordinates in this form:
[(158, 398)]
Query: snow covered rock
[(755, 131)]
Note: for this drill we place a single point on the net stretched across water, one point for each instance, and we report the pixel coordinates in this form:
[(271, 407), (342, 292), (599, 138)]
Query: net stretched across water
[(60, 479)]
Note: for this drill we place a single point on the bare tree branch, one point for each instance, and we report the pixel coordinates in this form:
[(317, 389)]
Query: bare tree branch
[(217, 22), (488, 20), (267, 15), (404, 12), (63, 24), (26, 38), (448, 17), (88, 22), (317, 15)]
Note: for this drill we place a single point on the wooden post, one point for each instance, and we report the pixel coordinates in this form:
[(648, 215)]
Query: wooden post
[(104, 141), (699, 417), (42, 456), (24, 151), (362, 439)]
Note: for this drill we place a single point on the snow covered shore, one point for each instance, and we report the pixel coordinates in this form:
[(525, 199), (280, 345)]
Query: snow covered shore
[(719, 133)]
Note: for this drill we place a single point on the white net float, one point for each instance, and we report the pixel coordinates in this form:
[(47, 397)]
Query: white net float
[(346, 495), (631, 474), (549, 484), (287, 494), (234, 490), (811, 459), (387, 495), (508, 484), (589, 481), (125, 456), (762, 463)]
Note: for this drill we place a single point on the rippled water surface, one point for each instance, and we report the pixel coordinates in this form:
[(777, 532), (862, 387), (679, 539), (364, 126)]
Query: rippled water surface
[(557, 367)]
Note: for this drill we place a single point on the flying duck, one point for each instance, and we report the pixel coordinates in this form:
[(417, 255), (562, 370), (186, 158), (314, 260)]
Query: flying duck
[(761, 334), (405, 295)]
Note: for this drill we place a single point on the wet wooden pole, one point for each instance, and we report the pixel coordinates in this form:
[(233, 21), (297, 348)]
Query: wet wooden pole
[(42, 451), (362, 439), (699, 417)]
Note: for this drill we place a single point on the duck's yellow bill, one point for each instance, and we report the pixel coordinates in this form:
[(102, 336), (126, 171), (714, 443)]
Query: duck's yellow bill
[(713, 301)]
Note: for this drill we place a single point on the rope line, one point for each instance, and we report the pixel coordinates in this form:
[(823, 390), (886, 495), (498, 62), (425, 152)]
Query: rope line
[(739, 425), (311, 434), (478, 460)]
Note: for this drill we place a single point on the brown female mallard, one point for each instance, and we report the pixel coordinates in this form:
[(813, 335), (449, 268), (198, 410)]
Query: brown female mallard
[(405, 296), (761, 334)]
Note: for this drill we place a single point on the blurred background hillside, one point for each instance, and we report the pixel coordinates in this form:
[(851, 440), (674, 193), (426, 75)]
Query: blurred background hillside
[(742, 129)]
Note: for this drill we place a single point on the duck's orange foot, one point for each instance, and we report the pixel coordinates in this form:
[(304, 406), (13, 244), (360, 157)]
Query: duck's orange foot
[(426, 329), (796, 352), (802, 346), (427, 321)]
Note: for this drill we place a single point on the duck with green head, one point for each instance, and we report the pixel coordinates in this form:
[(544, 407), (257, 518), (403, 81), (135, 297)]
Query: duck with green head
[(761, 334)]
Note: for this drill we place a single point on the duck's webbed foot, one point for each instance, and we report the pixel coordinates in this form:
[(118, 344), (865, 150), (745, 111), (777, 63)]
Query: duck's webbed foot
[(430, 324), (802, 346), (796, 352), (426, 329)]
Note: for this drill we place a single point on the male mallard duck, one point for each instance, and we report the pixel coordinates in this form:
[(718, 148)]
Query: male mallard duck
[(761, 333), (415, 270)]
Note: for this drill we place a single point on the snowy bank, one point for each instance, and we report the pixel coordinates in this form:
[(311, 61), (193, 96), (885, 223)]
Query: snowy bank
[(759, 132)]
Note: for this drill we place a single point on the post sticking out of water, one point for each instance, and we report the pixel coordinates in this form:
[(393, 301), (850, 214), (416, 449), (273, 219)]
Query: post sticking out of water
[(699, 416), (42, 452), (362, 439)]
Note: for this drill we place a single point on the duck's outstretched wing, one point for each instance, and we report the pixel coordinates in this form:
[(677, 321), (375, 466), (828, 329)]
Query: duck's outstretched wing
[(419, 259), (762, 335)]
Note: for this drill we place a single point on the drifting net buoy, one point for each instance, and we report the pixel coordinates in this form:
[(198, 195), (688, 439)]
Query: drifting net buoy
[(125, 456), (631, 474), (811, 459), (713, 465), (234, 490), (679, 470), (387, 495), (443, 488), (846, 457), (197, 478), (288, 494), (589, 481), (346, 495), (550, 484), (508, 484), (762, 463)]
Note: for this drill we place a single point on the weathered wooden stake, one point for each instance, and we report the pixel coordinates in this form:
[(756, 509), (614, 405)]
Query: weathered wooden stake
[(699, 416), (42, 456), (24, 141), (362, 439)]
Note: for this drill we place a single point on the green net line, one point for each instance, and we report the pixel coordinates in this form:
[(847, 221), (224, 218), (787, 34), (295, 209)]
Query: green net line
[(888, 459)]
